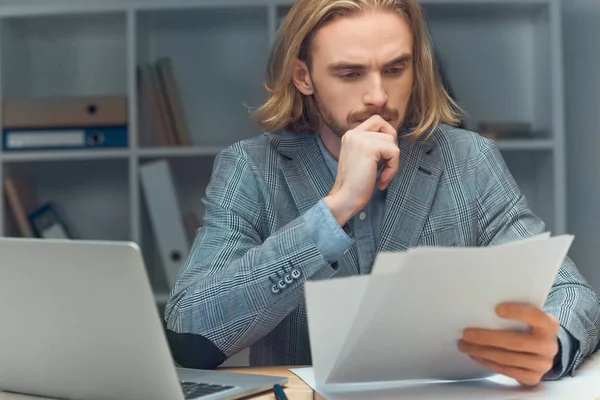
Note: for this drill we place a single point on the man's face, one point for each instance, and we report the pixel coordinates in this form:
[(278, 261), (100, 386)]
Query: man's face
[(361, 66)]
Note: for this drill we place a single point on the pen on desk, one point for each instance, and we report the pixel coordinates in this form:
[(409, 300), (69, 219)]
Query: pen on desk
[(279, 393)]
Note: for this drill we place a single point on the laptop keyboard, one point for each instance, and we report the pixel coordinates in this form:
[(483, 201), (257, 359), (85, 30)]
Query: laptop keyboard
[(194, 390)]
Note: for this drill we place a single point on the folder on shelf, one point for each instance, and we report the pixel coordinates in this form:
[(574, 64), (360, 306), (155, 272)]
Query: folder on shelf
[(165, 216), (47, 223), (57, 138), (170, 94), (154, 106), (64, 112), (21, 200)]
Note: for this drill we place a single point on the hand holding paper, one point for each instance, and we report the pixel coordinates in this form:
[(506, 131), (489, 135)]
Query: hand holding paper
[(523, 356), (404, 321)]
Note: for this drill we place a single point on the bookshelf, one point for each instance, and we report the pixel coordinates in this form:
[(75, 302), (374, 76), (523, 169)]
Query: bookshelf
[(503, 59)]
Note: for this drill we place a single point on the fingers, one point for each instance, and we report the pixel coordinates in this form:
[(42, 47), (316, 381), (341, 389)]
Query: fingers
[(513, 341), (525, 377), (391, 157), (377, 124), (542, 323), (507, 358)]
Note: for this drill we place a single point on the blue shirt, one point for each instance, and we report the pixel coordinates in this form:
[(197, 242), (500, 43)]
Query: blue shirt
[(365, 226)]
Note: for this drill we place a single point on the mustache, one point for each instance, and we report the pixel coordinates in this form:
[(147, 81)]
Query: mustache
[(385, 113)]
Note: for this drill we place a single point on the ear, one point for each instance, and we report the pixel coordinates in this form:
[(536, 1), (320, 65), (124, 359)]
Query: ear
[(301, 78)]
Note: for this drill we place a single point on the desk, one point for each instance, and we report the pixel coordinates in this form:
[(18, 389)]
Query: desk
[(296, 389)]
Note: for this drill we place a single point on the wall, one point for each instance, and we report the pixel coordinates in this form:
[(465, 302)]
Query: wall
[(581, 26)]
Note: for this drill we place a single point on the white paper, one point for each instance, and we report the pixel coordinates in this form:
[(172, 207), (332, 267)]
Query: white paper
[(337, 313), (405, 324), (387, 263), (585, 385)]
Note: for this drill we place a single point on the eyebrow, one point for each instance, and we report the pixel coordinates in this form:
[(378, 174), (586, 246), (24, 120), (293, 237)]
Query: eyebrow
[(344, 66)]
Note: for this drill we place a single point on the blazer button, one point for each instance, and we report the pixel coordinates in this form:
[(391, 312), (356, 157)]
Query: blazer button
[(288, 279), (281, 283), (295, 273), (275, 289)]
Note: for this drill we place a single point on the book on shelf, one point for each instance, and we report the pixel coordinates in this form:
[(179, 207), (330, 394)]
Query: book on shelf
[(170, 92), (161, 104), (48, 223), (34, 220), (22, 200)]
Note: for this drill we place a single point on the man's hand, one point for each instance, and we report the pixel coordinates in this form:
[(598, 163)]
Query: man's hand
[(372, 144), (525, 357)]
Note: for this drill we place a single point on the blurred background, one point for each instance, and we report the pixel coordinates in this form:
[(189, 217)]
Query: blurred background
[(113, 111)]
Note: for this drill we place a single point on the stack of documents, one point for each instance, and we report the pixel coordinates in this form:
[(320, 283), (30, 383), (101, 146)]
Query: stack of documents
[(403, 322)]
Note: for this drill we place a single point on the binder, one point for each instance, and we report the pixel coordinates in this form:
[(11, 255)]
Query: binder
[(174, 107), (154, 105), (47, 223), (64, 111), (165, 217), (22, 199), (63, 138)]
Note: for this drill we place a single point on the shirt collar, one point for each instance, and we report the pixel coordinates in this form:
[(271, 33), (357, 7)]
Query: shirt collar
[(331, 163)]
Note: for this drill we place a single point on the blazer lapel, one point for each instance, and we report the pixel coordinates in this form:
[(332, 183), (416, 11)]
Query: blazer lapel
[(307, 175), (410, 195), (309, 180)]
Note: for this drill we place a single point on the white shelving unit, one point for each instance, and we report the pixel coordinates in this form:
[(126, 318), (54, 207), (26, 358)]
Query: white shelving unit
[(503, 59)]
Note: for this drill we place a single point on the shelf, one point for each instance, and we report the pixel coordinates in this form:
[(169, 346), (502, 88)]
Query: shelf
[(526, 144), (156, 152), (497, 60), (64, 155), (501, 56), (90, 196), (64, 55), (218, 58)]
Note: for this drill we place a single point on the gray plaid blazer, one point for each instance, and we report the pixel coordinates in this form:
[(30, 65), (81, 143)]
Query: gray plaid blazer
[(452, 189)]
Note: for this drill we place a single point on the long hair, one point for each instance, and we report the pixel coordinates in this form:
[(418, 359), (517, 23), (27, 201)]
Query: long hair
[(287, 108)]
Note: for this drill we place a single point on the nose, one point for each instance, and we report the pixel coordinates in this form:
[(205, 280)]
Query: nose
[(376, 94)]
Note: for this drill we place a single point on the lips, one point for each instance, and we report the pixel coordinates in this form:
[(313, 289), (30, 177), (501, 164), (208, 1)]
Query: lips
[(360, 121)]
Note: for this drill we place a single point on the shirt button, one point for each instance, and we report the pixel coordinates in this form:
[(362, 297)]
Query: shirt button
[(362, 216)]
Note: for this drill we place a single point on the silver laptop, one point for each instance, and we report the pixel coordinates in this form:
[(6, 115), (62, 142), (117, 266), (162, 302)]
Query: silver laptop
[(78, 321)]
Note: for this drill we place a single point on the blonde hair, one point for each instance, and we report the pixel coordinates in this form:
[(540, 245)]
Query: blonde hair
[(287, 108)]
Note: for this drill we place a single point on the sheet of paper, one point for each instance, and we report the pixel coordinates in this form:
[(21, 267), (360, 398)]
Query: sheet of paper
[(387, 263), (583, 386), (407, 324), (337, 313)]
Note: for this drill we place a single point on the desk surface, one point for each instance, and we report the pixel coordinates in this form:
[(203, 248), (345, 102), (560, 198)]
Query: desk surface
[(296, 389)]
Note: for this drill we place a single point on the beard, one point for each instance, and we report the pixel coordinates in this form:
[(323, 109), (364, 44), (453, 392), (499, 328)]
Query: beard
[(340, 130)]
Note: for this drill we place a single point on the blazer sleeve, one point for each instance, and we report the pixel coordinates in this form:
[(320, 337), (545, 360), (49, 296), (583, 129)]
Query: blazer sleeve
[(504, 215), (227, 294)]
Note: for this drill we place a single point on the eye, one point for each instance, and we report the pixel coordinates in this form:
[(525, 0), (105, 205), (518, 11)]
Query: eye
[(350, 75), (395, 70)]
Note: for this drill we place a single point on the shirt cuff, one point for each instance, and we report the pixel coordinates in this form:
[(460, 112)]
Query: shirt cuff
[(328, 235), (567, 346)]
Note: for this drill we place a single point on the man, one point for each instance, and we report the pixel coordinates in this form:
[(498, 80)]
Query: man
[(360, 155)]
